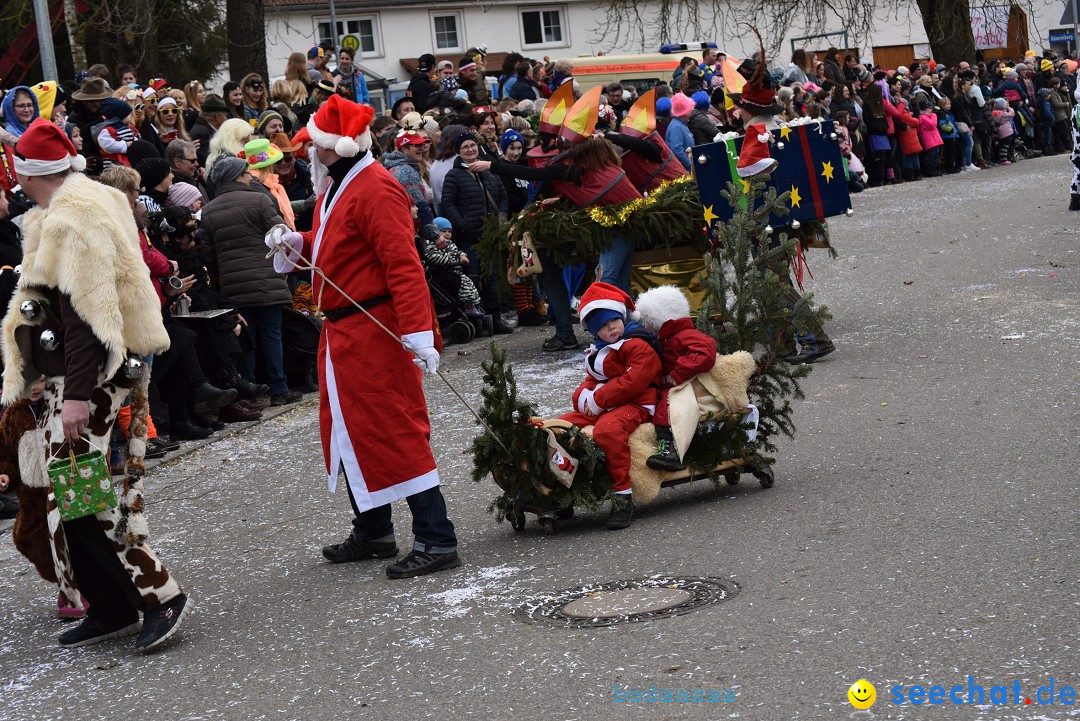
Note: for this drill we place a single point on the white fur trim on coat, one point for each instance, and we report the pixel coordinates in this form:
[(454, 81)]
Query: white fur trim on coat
[(86, 245), (345, 147)]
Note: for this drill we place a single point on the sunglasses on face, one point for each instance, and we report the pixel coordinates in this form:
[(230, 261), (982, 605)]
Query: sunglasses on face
[(151, 101), (169, 111), (255, 86)]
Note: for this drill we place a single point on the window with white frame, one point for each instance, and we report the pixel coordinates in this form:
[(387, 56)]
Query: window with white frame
[(544, 27), (364, 27), (446, 27)]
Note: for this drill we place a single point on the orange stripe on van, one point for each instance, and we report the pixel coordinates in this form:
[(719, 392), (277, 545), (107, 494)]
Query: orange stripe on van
[(623, 68)]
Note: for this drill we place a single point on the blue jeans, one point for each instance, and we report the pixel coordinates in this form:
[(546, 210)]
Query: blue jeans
[(557, 297), (264, 321), (432, 529), (965, 152), (615, 262)]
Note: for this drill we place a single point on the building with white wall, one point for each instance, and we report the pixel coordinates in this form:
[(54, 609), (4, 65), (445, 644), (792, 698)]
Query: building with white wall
[(394, 30)]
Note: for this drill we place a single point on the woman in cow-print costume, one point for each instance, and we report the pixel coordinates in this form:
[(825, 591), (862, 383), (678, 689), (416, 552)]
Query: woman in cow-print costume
[(1074, 189), (83, 315)]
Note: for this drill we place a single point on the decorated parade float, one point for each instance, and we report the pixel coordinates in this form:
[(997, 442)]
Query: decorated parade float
[(730, 237)]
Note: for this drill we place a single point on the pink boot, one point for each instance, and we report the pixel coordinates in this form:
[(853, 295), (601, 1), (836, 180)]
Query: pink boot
[(66, 612)]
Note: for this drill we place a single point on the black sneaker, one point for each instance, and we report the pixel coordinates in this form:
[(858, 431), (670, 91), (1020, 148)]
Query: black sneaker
[(161, 623), (284, 399), (353, 549), (419, 563), (622, 510), (167, 446), (91, 631), (556, 343)]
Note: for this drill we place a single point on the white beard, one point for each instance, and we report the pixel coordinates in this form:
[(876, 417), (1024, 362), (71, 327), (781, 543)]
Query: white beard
[(320, 174)]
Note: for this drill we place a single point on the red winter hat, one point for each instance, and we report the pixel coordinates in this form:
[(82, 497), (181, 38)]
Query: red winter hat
[(45, 149), (601, 295), (342, 126), (755, 158)]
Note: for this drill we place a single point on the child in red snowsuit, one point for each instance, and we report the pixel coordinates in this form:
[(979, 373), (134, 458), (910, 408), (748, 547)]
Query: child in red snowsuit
[(687, 352), (621, 387)]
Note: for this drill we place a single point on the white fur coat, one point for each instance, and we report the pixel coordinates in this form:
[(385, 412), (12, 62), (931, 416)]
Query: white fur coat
[(86, 244)]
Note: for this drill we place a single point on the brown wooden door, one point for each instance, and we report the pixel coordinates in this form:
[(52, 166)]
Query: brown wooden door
[(891, 57)]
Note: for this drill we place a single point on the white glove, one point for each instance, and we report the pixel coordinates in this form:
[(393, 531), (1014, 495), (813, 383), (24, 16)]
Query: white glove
[(288, 244), (427, 358), (587, 405)]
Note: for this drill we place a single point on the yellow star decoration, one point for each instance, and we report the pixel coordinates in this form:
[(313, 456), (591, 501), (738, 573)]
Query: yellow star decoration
[(795, 197), (710, 216), (745, 185), (827, 170), (784, 133)]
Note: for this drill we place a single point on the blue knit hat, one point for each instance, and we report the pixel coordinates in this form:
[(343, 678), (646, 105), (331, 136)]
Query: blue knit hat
[(596, 320), (442, 223), (663, 108), (510, 136), (115, 109), (701, 100)]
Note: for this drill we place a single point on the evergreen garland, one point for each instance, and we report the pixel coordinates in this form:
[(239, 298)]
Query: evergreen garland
[(669, 215), (747, 285)]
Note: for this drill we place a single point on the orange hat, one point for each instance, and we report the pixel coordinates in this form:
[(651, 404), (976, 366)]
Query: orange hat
[(640, 121), (581, 117), (301, 137), (342, 126), (554, 112)]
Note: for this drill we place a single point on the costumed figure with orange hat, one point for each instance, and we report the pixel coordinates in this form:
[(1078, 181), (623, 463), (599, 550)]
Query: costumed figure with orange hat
[(621, 386), (646, 158), (84, 315), (372, 411), (584, 169)]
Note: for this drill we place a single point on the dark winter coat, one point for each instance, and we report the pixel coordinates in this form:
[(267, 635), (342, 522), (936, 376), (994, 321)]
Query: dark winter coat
[(834, 72), (465, 204), (232, 230), (525, 89), (203, 132), (420, 89), (703, 129)]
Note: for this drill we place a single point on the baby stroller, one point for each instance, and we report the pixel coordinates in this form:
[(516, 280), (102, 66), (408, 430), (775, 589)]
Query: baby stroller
[(456, 325)]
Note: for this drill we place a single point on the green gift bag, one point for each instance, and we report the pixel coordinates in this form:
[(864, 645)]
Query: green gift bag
[(82, 484)]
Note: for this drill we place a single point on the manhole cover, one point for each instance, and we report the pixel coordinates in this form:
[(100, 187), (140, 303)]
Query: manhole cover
[(626, 601)]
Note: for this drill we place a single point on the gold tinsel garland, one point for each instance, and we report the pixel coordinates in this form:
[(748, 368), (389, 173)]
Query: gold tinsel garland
[(610, 216)]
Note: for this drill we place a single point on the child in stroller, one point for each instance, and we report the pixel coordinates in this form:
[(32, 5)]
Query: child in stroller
[(457, 302)]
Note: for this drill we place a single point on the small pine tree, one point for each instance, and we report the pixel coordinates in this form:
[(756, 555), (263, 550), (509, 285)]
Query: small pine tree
[(517, 454), (750, 303)]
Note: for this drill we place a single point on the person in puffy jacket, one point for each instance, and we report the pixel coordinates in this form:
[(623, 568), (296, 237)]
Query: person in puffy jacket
[(232, 232), (929, 139)]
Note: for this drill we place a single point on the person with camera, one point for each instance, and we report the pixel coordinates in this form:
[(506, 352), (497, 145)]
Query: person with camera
[(83, 315)]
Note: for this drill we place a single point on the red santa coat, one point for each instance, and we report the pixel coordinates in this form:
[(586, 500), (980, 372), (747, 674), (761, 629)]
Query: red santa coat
[(626, 371), (687, 351), (372, 411)]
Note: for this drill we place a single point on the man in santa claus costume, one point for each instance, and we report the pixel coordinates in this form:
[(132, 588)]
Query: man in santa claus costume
[(372, 411)]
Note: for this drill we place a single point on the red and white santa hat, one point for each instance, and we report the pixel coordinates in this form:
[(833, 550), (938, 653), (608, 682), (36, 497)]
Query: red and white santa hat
[(755, 157), (45, 149), (605, 296), (342, 126)]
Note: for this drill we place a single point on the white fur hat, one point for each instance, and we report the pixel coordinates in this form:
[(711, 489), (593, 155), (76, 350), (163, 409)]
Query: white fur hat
[(661, 304)]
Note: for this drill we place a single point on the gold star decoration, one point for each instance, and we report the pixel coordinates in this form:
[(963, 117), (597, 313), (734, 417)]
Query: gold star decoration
[(784, 133), (827, 171), (710, 216), (795, 197)]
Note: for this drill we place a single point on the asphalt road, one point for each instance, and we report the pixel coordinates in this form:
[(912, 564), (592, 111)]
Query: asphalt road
[(923, 527)]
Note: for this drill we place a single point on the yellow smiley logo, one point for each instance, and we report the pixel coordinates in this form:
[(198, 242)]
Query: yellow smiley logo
[(862, 694)]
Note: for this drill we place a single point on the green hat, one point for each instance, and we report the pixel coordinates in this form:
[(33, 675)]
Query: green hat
[(260, 154)]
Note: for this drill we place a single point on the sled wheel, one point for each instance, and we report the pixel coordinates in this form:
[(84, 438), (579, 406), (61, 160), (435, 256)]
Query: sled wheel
[(516, 516), (732, 479), (461, 331), (565, 513), (765, 476), (548, 524)]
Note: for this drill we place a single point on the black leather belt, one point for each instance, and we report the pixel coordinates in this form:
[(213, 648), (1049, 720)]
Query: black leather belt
[(335, 314)]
